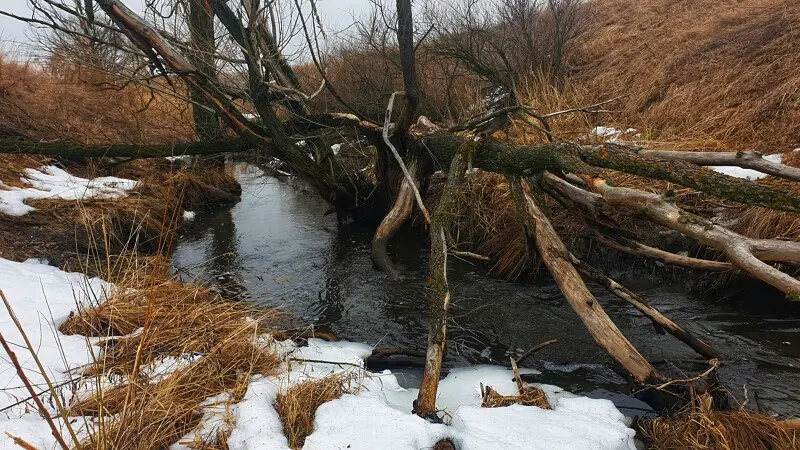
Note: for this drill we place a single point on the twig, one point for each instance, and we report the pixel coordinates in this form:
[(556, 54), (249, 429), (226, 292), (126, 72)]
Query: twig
[(21, 442), (535, 349), (24, 400), (386, 123), (42, 410), (25, 380), (469, 255), (584, 109), (714, 365), (321, 361)]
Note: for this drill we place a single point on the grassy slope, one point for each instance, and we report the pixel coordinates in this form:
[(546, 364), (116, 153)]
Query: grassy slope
[(722, 69)]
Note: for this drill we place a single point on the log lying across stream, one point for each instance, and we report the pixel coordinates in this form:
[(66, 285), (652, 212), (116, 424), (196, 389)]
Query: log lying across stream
[(580, 177)]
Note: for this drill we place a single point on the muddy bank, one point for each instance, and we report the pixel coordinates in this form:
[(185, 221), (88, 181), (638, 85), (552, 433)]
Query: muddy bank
[(277, 248)]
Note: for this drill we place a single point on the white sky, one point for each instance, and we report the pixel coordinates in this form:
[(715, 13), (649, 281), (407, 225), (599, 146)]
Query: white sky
[(15, 35)]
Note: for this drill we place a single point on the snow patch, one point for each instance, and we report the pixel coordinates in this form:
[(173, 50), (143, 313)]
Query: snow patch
[(189, 215), (42, 297), (611, 134), (748, 174), (379, 414), (336, 148), (53, 182)]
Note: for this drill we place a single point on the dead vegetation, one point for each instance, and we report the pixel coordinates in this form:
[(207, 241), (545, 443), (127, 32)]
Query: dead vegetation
[(700, 426), (530, 396), (170, 347), (298, 405), (706, 69)]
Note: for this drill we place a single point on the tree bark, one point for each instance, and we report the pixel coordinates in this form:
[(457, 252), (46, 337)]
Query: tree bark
[(440, 292), (394, 219), (748, 160), (640, 304), (557, 259), (201, 55)]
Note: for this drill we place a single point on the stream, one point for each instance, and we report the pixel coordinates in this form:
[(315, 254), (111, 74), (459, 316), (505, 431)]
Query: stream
[(276, 248)]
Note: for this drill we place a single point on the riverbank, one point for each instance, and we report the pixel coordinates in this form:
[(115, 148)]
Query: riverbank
[(197, 387), (205, 364)]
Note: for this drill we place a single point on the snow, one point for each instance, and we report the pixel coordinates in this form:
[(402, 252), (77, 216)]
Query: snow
[(749, 174), (215, 411), (189, 215), (42, 297), (611, 134), (356, 422), (336, 148), (377, 414), (53, 182)]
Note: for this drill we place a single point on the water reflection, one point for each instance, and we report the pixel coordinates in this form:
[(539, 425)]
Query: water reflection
[(281, 250)]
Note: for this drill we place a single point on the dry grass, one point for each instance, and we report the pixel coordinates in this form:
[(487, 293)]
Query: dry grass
[(724, 70), (701, 427), (488, 223), (144, 325), (85, 107), (198, 188), (298, 405), (180, 319), (530, 396)]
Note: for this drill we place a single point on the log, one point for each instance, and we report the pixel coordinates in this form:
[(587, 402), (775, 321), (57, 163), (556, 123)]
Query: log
[(568, 157), (441, 220), (747, 160), (74, 150), (742, 251), (590, 206), (640, 304), (557, 259)]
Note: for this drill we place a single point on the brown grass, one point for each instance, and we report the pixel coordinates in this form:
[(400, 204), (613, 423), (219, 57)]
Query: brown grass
[(701, 427), (85, 107), (198, 188), (487, 222), (530, 396), (152, 320), (180, 318), (298, 405), (725, 70)]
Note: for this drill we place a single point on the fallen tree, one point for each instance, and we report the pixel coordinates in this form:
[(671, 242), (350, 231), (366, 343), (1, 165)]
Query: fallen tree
[(407, 155)]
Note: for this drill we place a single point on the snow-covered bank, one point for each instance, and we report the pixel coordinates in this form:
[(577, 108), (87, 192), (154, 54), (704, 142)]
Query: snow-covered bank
[(42, 297), (52, 182), (379, 414), (376, 415)]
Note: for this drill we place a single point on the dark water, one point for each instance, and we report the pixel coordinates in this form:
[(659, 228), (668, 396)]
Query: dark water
[(275, 247)]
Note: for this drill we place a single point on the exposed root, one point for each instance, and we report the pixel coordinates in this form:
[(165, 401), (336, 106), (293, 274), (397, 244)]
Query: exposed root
[(699, 426), (391, 223)]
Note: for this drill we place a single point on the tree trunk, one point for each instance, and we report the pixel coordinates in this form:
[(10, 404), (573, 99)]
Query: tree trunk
[(201, 55), (440, 292), (557, 259)]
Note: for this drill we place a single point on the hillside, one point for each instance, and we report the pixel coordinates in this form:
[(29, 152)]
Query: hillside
[(726, 70)]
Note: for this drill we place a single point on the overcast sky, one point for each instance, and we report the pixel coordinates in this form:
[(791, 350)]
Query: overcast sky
[(15, 35)]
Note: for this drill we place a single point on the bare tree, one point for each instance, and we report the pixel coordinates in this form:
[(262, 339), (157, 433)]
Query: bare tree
[(407, 156)]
